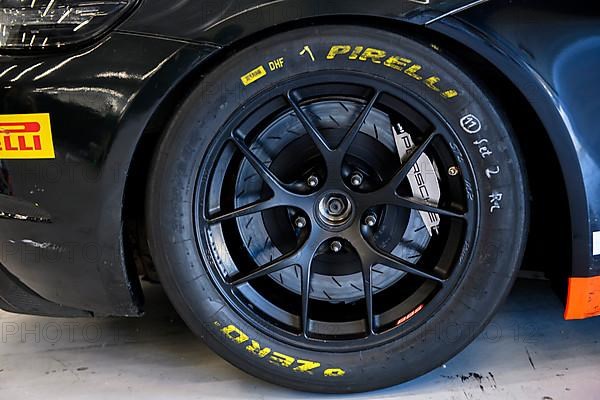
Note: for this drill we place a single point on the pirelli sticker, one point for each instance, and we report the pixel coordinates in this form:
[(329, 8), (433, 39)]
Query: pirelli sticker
[(25, 136)]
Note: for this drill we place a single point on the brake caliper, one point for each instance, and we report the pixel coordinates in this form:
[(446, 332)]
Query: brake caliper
[(422, 177)]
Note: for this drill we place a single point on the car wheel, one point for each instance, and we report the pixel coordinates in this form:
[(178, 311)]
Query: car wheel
[(337, 209)]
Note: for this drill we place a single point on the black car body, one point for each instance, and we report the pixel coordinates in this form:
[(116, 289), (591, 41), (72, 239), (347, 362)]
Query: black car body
[(71, 225)]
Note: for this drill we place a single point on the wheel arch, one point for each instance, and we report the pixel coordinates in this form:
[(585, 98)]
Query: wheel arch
[(516, 105)]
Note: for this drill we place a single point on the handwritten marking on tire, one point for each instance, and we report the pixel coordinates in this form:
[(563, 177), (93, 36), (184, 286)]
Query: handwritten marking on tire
[(495, 201), (307, 50), (492, 171), (470, 124), (484, 150)]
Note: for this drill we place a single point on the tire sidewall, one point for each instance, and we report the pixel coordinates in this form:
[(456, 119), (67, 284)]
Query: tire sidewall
[(495, 255)]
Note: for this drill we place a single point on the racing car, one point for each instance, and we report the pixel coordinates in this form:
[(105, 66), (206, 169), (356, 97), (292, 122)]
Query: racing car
[(335, 195)]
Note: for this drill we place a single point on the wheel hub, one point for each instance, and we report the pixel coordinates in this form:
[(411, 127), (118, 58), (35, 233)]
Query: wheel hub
[(335, 209), (337, 275)]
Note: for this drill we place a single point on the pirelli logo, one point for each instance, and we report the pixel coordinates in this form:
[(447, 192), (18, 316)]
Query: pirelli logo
[(25, 136)]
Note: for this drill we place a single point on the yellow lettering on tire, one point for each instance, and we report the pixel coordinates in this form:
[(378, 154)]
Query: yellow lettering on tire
[(356, 52), (412, 71), (430, 82), (397, 63), (334, 372), (374, 55), (335, 50), (306, 366), (276, 64), (254, 348), (281, 359), (235, 334), (253, 75), (448, 94)]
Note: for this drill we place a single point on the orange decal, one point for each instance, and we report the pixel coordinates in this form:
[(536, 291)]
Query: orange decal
[(410, 315), (583, 299), (26, 136)]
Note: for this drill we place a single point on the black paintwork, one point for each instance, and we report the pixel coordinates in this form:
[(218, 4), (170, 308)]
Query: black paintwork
[(102, 99), (224, 22), (18, 298), (551, 52)]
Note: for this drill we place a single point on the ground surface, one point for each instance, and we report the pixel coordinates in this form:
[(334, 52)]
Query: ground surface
[(528, 352)]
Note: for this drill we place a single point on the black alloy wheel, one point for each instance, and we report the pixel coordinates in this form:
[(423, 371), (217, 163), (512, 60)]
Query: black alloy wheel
[(337, 207)]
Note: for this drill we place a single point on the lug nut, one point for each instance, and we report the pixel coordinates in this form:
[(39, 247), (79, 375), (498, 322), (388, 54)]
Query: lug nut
[(452, 171), (371, 220), (335, 246), (300, 222), (312, 181), (356, 179)]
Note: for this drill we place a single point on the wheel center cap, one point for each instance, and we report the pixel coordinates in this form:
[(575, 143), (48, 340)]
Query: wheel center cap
[(335, 209)]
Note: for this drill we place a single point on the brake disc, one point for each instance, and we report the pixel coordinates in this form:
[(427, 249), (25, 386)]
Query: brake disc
[(410, 244)]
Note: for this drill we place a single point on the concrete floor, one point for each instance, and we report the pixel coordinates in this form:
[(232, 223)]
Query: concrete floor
[(528, 352)]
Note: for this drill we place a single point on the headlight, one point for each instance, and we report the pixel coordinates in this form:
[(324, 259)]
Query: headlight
[(38, 24)]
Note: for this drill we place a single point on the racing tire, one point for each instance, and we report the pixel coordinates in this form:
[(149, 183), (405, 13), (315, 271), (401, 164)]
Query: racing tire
[(337, 209)]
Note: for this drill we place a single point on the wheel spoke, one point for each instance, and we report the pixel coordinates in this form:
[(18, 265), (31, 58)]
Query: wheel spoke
[(305, 295), (355, 129), (305, 259), (310, 128), (390, 260), (245, 210), (286, 260), (265, 173), (408, 165), (282, 196), (368, 287), (422, 205)]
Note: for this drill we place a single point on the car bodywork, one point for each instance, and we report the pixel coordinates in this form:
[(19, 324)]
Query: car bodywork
[(67, 224)]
